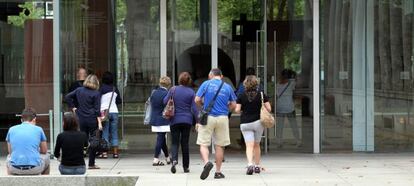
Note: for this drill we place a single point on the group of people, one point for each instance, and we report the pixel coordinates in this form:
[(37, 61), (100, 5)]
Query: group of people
[(222, 100), (87, 102)]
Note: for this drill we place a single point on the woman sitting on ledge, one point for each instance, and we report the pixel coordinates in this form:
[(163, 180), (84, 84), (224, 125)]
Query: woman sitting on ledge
[(71, 141)]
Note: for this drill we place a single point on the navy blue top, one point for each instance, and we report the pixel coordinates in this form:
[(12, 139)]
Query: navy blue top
[(185, 107), (157, 106), (89, 103)]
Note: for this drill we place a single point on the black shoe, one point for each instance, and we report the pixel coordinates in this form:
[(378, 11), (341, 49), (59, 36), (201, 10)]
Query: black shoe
[(218, 175), (257, 169), (250, 170), (206, 170), (186, 170), (173, 169)]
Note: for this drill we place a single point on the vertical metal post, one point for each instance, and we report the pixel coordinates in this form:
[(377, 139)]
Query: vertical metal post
[(214, 38), (275, 74), (52, 132), (257, 52), (316, 76), (56, 69), (163, 37)]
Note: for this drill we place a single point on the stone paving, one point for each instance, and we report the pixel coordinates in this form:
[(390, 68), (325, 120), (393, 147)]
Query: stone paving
[(280, 169)]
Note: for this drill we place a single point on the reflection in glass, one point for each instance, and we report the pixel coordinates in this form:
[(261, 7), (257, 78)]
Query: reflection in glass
[(26, 61), (289, 36), (138, 64), (393, 80), (367, 75), (189, 39)]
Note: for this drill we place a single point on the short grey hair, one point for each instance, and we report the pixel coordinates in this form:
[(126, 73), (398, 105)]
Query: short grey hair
[(215, 72)]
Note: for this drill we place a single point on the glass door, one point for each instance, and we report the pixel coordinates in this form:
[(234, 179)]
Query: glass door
[(138, 68), (288, 80), (270, 36), (189, 44)]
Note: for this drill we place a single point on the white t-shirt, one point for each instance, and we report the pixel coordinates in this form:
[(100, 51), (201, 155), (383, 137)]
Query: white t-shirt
[(105, 102), (285, 102)]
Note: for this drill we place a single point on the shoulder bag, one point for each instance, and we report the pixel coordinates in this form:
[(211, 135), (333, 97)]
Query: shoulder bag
[(169, 109), (203, 115), (266, 118), (105, 113)]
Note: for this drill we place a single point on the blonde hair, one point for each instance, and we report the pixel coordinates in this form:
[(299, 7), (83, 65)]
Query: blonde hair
[(250, 83), (91, 82), (165, 81)]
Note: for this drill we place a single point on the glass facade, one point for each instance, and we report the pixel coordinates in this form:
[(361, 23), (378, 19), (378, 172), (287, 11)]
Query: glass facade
[(367, 66), (366, 63), (26, 62)]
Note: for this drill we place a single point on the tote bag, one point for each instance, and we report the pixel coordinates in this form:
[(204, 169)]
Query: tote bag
[(266, 118), (147, 117), (148, 110)]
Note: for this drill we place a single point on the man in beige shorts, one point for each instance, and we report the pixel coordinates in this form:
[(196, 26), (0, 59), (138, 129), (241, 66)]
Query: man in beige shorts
[(217, 122)]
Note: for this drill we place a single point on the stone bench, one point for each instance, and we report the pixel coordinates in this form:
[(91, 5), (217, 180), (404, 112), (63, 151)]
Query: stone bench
[(70, 180)]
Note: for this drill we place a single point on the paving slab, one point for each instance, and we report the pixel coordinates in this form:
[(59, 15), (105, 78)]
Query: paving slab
[(280, 169)]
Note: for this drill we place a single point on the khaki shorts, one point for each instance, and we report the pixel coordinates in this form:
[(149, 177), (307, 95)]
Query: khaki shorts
[(217, 128), (44, 165)]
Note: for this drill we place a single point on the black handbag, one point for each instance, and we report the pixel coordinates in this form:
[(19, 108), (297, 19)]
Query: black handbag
[(203, 114), (97, 143)]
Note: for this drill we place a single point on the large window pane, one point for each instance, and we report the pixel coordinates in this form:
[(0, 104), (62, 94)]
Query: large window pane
[(189, 39), (26, 61), (367, 75), (394, 121), (289, 49), (138, 64), (336, 83)]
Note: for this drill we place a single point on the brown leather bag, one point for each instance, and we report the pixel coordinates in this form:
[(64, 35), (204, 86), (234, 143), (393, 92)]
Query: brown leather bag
[(169, 109)]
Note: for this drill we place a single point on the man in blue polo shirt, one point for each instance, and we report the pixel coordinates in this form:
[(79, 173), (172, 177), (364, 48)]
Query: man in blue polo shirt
[(217, 122), (27, 148)]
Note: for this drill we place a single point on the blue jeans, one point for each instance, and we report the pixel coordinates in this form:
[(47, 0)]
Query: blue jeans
[(161, 145), (110, 129), (72, 170)]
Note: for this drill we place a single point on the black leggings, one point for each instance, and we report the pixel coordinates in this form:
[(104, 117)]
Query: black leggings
[(180, 134), (90, 129)]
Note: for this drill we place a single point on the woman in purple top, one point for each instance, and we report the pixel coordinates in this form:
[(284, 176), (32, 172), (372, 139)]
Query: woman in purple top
[(184, 118)]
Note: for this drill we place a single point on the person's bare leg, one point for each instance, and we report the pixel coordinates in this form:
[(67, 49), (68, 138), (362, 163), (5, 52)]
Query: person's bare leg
[(46, 171), (257, 153), (249, 152), (8, 171), (219, 157), (204, 152)]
